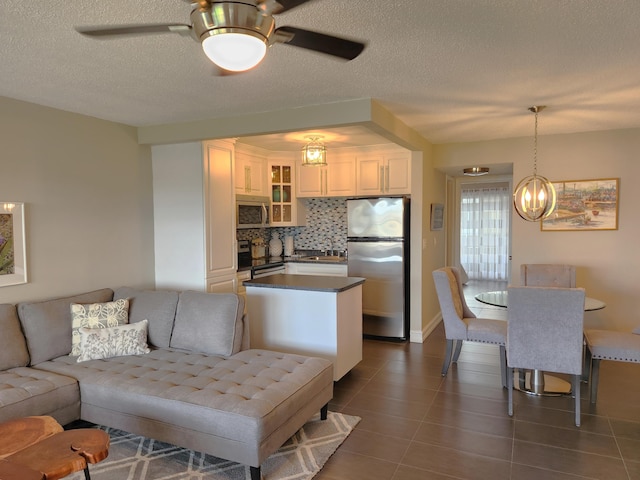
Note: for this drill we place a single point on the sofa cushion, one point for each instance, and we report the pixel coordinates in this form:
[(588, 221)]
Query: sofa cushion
[(26, 391), (97, 343), (13, 347), (158, 307), (47, 325), (96, 315), (208, 323)]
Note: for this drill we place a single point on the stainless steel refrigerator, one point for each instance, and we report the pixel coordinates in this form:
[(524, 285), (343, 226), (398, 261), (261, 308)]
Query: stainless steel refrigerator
[(378, 250)]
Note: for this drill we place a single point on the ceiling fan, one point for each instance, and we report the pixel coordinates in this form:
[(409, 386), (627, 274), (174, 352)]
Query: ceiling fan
[(235, 35)]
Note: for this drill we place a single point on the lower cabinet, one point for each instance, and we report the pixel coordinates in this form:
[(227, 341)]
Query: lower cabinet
[(240, 288), (316, 269), (221, 284)]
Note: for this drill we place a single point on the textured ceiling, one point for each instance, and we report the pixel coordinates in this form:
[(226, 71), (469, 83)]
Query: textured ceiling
[(454, 70)]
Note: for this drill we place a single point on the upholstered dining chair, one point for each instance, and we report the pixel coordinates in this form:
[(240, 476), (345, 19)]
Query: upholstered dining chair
[(547, 275), (461, 324), (544, 275), (544, 332), (608, 345)]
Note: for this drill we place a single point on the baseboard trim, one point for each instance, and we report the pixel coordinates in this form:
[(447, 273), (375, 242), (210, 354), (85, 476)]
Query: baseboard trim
[(419, 336)]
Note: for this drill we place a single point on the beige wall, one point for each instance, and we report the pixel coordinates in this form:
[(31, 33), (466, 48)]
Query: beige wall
[(608, 262), (87, 188)]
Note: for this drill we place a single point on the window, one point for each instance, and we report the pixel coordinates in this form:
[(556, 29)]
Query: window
[(484, 231)]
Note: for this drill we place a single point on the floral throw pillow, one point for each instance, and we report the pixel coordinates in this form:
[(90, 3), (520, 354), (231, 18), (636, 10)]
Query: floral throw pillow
[(97, 343), (96, 315)]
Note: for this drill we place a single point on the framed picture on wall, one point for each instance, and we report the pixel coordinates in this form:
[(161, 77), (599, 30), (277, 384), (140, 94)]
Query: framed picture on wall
[(584, 205), (13, 258), (437, 216)]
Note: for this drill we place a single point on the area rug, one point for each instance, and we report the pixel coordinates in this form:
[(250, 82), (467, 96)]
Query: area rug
[(133, 457)]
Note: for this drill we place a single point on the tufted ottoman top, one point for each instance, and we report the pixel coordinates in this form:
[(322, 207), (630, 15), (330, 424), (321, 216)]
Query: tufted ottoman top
[(243, 395)]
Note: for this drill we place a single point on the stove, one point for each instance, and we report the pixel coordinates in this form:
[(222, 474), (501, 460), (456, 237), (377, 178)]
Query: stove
[(260, 267)]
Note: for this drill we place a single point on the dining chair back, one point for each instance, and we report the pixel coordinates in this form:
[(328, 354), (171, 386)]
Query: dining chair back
[(461, 324), (544, 332), (547, 275)]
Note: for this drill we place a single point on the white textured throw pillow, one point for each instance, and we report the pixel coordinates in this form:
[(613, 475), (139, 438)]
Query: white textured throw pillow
[(96, 315), (96, 343), (637, 331)]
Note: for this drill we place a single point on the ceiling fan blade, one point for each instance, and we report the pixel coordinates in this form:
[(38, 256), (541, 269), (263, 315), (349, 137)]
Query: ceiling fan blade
[(319, 42), (284, 5), (180, 28)]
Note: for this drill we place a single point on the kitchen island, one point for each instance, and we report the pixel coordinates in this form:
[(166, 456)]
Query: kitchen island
[(312, 315)]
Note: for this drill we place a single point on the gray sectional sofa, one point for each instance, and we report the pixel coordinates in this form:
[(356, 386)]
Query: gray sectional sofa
[(200, 387)]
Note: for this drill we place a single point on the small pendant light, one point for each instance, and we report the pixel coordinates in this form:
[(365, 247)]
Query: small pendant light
[(314, 153)]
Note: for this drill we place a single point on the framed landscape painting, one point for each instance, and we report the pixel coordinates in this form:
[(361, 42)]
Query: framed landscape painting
[(13, 261), (584, 205)]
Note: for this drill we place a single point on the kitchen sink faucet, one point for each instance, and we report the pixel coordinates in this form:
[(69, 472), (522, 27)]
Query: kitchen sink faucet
[(330, 251)]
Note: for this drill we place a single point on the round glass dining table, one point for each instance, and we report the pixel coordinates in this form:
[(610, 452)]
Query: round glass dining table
[(500, 298), (536, 382)]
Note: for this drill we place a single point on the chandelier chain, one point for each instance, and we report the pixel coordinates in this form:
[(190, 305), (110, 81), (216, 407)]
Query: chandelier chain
[(535, 145)]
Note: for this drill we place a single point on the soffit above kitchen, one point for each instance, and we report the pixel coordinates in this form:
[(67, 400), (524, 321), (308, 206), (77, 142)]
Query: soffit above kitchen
[(454, 71)]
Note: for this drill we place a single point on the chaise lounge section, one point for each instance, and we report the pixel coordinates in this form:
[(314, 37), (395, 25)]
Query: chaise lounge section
[(200, 387)]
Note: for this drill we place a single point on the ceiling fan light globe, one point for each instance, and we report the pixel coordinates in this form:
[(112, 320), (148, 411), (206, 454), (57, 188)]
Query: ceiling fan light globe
[(235, 52)]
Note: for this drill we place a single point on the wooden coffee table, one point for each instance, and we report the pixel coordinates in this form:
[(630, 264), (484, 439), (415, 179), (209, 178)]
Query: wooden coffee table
[(54, 457), (15, 471), (24, 432)]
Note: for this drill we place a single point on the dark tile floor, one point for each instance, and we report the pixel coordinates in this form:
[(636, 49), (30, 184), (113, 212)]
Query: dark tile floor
[(418, 425)]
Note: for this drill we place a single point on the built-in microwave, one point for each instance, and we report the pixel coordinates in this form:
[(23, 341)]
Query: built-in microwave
[(252, 211)]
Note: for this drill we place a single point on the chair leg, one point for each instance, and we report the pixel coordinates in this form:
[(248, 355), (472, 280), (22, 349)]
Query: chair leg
[(595, 375), (456, 353), (510, 390), (447, 357), (586, 366), (576, 390), (503, 365)]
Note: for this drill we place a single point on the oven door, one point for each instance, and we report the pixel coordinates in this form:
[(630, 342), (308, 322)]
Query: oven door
[(258, 272)]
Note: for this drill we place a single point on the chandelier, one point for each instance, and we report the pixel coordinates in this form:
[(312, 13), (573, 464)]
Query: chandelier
[(534, 198)]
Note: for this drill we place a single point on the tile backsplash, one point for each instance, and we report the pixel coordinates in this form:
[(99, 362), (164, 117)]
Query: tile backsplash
[(326, 226)]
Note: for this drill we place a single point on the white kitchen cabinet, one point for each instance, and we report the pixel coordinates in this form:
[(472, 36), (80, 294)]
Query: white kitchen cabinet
[(337, 179), (286, 210), (324, 269), (250, 173), (384, 173), (240, 288), (194, 218)]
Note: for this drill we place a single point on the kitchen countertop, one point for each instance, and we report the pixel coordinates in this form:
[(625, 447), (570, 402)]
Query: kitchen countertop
[(306, 282)]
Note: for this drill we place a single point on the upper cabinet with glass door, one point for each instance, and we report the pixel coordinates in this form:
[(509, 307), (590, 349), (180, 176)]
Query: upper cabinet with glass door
[(285, 208)]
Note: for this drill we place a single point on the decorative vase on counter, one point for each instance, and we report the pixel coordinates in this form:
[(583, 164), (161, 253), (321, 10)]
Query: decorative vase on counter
[(288, 245), (275, 245)]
